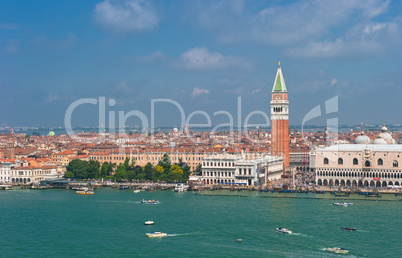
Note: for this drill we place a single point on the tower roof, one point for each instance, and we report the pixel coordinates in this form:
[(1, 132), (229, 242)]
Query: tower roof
[(279, 84)]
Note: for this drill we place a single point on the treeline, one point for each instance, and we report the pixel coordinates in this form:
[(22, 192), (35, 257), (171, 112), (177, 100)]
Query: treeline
[(164, 171)]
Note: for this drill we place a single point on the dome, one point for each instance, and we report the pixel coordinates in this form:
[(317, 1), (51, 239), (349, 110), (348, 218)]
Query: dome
[(175, 129), (362, 139), (379, 141), (51, 133), (387, 137)]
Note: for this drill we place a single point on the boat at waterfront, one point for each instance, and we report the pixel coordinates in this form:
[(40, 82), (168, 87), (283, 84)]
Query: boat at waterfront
[(137, 191), (85, 192), (6, 187), (284, 231), (338, 250), (149, 222), (180, 187), (341, 194), (342, 204), (149, 201), (350, 229), (156, 234)]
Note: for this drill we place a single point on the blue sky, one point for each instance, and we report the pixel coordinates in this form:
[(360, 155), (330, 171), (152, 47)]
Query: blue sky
[(202, 54)]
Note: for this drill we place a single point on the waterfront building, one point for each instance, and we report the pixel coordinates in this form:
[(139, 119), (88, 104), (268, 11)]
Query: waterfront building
[(280, 119), (225, 169), (30, 174), (363, 164), (5, 171)]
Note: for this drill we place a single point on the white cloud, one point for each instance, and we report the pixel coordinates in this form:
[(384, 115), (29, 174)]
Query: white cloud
[(126, 15), (333, 82), (200, 58), (312, 27), (255, 91), (197, 91), (337, 49), (156, 56)]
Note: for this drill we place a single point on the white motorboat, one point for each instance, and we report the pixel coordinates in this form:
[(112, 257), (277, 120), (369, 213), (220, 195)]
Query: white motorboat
[(180, 187), (156, 234), (137, 191), (342, 204), (149, 222), (338, 250), (284, 231), (149, 201)]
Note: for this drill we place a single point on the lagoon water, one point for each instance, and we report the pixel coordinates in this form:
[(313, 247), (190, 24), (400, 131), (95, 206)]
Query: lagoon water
[(111, 223)]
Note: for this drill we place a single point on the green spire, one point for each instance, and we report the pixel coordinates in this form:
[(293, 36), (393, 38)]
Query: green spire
[(279, 84)]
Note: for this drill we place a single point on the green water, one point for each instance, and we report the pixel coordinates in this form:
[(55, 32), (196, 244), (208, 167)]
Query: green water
[(111, 223)]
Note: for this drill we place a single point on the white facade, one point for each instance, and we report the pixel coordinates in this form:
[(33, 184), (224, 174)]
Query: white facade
[(360, 165), (5, 171), (230, 169)]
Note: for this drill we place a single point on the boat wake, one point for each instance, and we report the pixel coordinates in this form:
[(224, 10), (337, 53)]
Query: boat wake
[(182, 234), (299, 234)]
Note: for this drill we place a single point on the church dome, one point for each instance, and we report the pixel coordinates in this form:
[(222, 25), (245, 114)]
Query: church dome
[(379, 140), (51, 133), (362, 139)]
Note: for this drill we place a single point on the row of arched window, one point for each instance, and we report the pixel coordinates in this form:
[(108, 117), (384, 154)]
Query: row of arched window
[(367, 163), (360, 174), (278, 109)]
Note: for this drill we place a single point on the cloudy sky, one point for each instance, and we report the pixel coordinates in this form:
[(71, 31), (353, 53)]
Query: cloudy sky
[(202, 54)]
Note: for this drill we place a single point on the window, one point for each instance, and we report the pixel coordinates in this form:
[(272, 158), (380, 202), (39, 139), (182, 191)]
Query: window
[(380, 162), (340, 161), (355, 161), (395, 164), (326, 161), (367, 163)]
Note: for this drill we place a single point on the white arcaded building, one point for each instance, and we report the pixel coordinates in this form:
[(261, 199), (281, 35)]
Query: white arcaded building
[(366, 163), (224, 169)]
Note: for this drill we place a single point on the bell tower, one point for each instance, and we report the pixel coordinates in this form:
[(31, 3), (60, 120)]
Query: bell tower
[(280, 119), (10, 149)]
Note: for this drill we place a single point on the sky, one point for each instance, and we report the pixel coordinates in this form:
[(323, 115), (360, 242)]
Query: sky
[(206, 56)]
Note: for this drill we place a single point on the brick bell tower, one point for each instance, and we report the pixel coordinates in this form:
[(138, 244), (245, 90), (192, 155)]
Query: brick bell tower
[(280, 119)]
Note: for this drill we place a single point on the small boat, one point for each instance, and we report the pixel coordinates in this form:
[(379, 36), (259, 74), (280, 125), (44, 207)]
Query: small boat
[(342, 204), (238, 240), (149, 222), (284, 231), (350, 229), (156, 234), (180, 187), (87, 192), (338, 250), (149, 201), (137, 191)]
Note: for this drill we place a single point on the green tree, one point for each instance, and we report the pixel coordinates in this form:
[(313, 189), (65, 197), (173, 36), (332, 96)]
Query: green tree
[(198, 170), (104, 171), (165, 162), (68, 174), (78, 168), (93, 169), (149, 170)]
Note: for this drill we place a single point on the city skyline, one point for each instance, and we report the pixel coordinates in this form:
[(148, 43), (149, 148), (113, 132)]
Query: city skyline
[(203, 55)]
